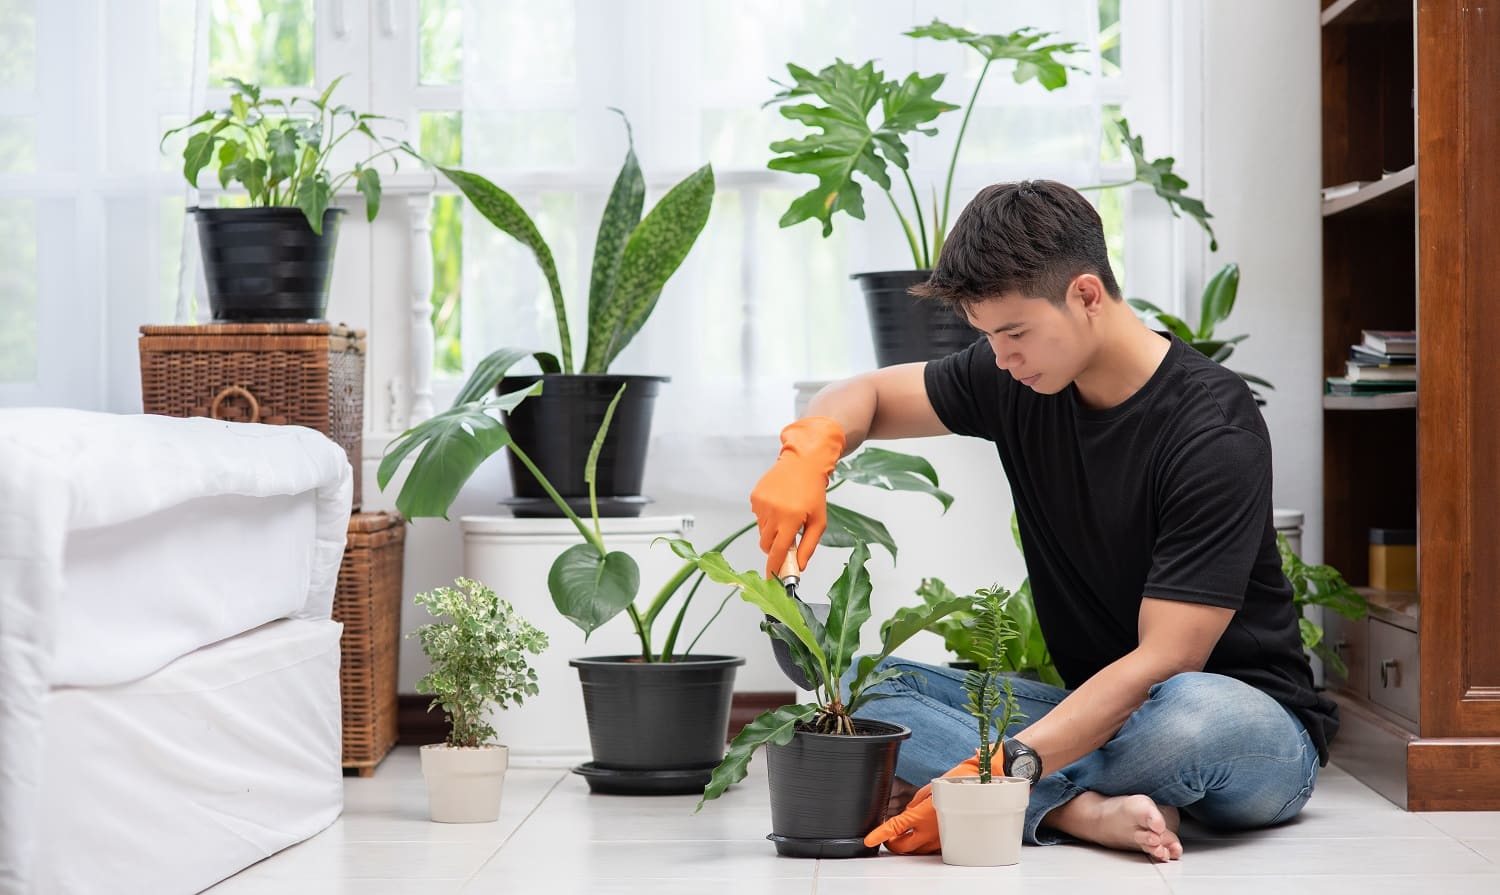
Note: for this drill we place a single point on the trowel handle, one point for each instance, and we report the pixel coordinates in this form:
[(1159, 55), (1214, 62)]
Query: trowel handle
[(790, 573)]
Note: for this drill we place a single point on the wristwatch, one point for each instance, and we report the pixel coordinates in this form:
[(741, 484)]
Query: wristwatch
[(1022, 761)]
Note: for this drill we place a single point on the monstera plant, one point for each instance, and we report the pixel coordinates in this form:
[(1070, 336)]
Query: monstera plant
[(1218, 301)]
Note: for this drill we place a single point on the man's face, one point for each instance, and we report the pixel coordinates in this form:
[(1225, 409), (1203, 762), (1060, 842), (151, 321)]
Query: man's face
[(1041, 345)]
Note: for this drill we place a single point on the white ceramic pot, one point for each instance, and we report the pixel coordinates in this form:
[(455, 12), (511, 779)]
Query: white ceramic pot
[(980, 823), (464, 784)]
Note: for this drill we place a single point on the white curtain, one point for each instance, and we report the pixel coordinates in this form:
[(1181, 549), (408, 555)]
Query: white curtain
[(91, 214), (755, 307)]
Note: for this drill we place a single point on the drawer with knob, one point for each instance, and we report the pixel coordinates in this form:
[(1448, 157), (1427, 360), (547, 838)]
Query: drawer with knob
[(1394, 672)]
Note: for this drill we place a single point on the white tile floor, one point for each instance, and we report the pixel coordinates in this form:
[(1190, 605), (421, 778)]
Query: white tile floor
[(555, 838)]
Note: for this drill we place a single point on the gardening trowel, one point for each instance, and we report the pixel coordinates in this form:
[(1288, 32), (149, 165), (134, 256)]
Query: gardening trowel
[(790, 575)]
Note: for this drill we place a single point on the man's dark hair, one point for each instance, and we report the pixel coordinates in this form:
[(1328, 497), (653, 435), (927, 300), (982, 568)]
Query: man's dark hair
[(1031, 238)]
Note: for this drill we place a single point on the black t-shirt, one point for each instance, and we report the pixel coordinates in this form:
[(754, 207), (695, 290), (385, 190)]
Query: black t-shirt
[(1166, 495)]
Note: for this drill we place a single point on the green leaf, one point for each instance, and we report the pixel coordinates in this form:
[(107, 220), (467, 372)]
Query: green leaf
[(205, 117), (450, 447), (1218, 298), (775, 727), (846, 528), (502, 210), (1015, 532), (622, 213), (848, 610), (322, 101), (245, 87), (1178, 328), (229, 153), (591, 465), (252, 173), (238, 107), (906, 623), (1158, 175), (1256, 380), (488, 373), (367, 181), (847, 144), (197, 154), (312, 197), (653, 252), (800, 655), (590, 588), (1034, 60), (767, 595), (892, 471), (282, 145)]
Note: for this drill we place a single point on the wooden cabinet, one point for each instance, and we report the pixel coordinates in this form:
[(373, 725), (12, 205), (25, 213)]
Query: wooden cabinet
[(1410, 94)]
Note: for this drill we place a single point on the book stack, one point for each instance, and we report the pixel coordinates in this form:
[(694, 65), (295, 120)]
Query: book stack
[(1385, 361)]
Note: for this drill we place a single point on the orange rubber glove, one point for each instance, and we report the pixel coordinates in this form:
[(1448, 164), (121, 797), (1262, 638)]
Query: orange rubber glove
[(789, 497), (915, 830)]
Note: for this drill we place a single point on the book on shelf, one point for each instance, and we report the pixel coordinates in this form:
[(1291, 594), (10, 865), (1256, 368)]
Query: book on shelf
[(1341, 385), (1362, 373), (1338, 191), (1367, 357), (1390, 341)]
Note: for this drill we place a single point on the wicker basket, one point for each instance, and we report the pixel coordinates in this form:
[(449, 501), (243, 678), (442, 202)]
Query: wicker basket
[(368, 602), (300, 374)]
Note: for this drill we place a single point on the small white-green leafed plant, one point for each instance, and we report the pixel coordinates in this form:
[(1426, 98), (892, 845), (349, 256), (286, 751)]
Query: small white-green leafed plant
[(478, 652), (990, 692)]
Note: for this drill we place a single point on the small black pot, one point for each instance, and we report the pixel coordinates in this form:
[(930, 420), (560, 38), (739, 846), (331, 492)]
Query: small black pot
[(828, 792), (650, 716), (556, 430), (266, 264), (908, 329)]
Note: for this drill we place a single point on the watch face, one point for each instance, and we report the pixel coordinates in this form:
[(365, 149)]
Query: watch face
[(1024, 766)]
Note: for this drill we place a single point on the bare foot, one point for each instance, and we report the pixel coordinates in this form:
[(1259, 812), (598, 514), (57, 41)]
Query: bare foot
[(901, 793), (1124, 822)]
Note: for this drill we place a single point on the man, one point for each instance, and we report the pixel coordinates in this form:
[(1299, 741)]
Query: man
[(1141, 474)]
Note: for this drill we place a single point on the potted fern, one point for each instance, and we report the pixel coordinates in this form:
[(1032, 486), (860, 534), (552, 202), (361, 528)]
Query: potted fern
[(634, 257), (273, 260), (980, 818), (478, 652), (830, 771), (838, 101)]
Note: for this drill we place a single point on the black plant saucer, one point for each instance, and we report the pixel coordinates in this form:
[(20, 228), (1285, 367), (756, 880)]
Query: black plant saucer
[(788, 847), (617, 782), (543, 507)]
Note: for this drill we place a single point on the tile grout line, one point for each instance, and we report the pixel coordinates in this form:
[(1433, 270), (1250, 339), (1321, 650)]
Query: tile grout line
[(491, 856)]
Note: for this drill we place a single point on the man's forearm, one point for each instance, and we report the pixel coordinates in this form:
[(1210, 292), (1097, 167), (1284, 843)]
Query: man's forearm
[(1096, 711), (850, 403)]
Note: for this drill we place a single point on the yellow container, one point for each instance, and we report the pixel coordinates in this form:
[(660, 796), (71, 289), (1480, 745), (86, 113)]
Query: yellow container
[(1393, 559)]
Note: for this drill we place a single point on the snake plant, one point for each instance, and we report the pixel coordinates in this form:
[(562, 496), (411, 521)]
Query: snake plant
[(634, 256)]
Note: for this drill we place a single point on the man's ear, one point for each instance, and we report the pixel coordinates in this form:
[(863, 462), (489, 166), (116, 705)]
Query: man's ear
[(1090, 292)]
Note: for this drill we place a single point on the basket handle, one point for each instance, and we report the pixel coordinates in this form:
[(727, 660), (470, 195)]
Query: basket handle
[(225, 392)]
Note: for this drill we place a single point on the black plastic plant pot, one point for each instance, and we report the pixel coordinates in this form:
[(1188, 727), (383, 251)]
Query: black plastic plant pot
[(907, 329), (266, 264), (649, 719), (828, 792), (556, 429)]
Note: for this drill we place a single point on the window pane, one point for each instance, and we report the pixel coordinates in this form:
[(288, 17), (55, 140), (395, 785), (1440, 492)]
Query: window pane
[(266, 42), (17, 144), (442, 137), (174, 42), (525, 138), (1112, 140), (18, 309), (1109, 37), (173, 219), (447, 283), (17, 44), (442, 42)]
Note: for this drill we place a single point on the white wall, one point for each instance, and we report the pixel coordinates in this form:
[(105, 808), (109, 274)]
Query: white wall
[(1252, 150), (1260, 154)]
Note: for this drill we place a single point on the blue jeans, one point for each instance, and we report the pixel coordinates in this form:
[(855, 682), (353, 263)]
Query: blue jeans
[(1225, 753)]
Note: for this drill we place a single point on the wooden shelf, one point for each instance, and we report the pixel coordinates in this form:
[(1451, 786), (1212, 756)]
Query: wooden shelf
[(1390, 401), (1395, 192), (1399, 607), (1367, 12)]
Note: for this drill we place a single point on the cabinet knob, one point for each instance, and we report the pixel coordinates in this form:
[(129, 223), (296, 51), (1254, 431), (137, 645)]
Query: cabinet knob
[(1390, 673)]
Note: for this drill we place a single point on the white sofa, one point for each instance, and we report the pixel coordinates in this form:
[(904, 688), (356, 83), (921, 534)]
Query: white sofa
[(169, 705)]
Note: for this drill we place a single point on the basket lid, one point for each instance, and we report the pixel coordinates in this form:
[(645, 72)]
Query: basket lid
[(366, 523), (341, 337)]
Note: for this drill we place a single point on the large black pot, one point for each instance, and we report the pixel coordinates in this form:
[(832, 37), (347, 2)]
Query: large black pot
[(908, 329), (556, 430), (828, 792), (266, 264), (655, 728)]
